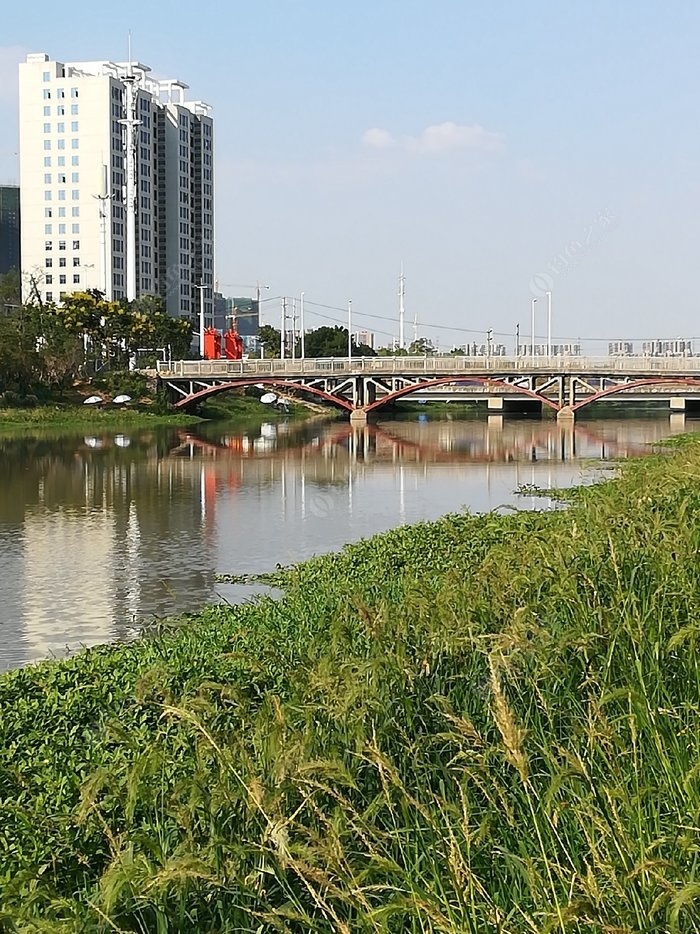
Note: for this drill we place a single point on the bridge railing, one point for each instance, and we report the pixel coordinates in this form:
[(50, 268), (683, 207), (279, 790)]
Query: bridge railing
[(387, 366)]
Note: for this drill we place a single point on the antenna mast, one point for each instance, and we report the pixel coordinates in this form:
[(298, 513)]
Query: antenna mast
[(130, 121)]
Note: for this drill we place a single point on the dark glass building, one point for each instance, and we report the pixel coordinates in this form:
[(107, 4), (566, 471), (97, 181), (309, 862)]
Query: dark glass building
[(9, 229)]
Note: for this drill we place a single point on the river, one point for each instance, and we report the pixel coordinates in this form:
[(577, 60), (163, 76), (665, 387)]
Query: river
[(101, 535)]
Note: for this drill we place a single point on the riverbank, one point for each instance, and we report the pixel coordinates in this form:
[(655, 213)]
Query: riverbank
[(74, 413), (478, 724)]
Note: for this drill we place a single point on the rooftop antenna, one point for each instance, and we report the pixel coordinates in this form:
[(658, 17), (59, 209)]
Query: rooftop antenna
[(402, 310), (131, 70), (415, 328)]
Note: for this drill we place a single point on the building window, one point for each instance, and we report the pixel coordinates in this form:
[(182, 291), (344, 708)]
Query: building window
[(75, 212), (61, 160), (47, 161), (47, 94), (74, 126), (75, 160), (61, 280), (49, 280), (62, 195), (76, 244), (47, 110), (61, 144), (61, 228), (61, 178), (47, 212), (73, 92), (61, 212), (74, 108), (49, 262), (75, 177), (47, 128), (47, 196), (62, 296), (75, 228), (60, 111), (76, 280), (48, 245), (47, 76), (76, 261), (60, 92), (60, 128), (61, 244), (48, 229), (62, 261), (49, 296), (47, 178), (74, 143), (75, 195)]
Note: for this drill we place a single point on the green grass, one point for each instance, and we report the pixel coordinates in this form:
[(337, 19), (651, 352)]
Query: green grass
[(87, 416), (482, 724)]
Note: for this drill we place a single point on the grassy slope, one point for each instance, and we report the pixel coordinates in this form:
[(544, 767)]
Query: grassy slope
[(479, 724)]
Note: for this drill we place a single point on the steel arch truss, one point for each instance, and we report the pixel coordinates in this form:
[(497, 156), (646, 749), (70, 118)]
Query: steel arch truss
[(368, 392)]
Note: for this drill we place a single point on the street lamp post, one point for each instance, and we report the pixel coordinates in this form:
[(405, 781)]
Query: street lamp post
[(201, 288), (549, 323), (85, 267), (532, 327), (350, 333), (301, 322)]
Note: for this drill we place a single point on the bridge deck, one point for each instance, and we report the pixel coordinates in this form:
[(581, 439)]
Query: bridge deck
[(379, 367)]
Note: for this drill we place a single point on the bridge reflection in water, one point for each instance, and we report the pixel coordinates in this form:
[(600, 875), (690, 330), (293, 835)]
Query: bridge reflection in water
[(99, 533)]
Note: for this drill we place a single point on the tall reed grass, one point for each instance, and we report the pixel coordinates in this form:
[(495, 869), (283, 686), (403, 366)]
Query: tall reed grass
[(482, 724)]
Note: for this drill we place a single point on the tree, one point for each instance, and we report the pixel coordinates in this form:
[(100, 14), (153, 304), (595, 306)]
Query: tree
[(422, 347), (333, 342), (10, 291), (269, 337)]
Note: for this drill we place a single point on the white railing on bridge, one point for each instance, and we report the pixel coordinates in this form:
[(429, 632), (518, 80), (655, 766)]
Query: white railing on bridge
[(388, 366)]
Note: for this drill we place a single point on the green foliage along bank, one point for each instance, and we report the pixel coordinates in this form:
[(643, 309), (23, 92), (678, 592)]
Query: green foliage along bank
[(482, 724)]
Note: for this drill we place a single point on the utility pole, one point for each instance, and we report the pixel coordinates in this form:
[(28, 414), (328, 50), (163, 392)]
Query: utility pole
[(104, 201), (402, 310), (517, 340), (294, 327), (350, 333), (489, 341), (549, 323), (301, 323), (532, 326), (283, 332)]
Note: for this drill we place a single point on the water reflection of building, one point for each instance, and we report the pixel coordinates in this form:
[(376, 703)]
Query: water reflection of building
[(95, 537), (68, 579)]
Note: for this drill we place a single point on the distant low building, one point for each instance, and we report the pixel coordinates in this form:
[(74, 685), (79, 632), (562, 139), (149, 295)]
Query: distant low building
[(620, 349), (663, 348), (364, 337)]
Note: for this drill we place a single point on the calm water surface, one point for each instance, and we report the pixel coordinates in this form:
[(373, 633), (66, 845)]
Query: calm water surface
[(101, 534)]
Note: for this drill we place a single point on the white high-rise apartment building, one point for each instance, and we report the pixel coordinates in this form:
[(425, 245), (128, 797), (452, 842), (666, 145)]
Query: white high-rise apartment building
[(116, 185)]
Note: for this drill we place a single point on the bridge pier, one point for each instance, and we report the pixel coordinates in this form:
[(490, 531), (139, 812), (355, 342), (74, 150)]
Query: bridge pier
[(358, 417), (566, 414)]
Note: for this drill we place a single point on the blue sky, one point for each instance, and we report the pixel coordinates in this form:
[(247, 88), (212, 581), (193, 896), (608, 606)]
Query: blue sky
[(493, 147)]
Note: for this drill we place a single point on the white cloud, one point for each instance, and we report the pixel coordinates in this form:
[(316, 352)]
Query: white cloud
[(378, 139), (439, 137)]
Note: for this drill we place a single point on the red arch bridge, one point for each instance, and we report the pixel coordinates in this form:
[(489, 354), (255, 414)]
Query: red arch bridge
[(367, 384)]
